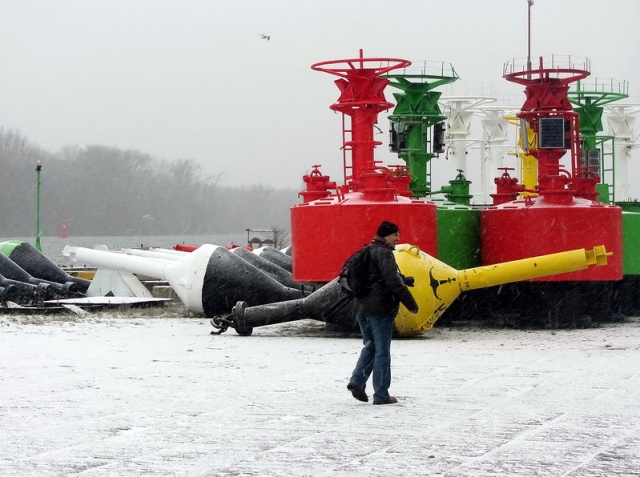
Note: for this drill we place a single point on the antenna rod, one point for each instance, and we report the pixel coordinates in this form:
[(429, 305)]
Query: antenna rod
[(530, 3)]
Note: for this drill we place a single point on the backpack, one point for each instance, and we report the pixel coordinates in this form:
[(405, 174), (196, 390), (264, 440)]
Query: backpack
[(355, 279)]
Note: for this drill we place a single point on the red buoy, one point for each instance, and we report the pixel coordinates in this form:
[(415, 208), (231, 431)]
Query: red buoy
[(327, 228), (565, 214)]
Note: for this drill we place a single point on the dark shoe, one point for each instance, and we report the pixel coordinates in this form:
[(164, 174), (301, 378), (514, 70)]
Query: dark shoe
[(390, 400), (358, 392)]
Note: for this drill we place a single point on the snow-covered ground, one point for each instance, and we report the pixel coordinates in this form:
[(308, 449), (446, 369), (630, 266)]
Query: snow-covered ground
[(149, 392)]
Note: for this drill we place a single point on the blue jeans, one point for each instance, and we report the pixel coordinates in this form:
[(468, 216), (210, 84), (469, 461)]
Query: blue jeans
[(375, 355)]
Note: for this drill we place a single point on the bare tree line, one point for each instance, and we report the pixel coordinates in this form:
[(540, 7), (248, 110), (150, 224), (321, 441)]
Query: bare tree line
[(102, 190)]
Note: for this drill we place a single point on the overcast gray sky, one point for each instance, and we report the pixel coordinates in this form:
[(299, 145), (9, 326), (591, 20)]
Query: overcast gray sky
[(193, 78)]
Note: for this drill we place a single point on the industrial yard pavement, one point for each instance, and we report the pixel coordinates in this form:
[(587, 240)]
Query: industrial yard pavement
[(132, 394)]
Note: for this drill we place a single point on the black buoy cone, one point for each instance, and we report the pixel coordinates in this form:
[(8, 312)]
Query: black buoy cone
[(328, 304), (12, 270), (275, 256), (209, 280), (230, 279), (273, 270), (27, 292), (38, 264)]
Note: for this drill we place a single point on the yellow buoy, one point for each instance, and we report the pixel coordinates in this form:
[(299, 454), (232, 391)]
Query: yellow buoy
[(437, 284)]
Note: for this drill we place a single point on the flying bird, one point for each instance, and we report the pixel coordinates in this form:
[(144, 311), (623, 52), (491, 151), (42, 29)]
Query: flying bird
[(265, 37)]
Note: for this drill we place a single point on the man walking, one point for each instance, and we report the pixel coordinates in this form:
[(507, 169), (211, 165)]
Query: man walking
[(376, 313)]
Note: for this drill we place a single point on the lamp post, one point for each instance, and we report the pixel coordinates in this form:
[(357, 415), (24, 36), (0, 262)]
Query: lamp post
[(38, 170)]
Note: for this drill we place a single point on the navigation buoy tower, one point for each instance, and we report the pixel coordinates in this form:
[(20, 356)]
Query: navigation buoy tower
[(327, 230)]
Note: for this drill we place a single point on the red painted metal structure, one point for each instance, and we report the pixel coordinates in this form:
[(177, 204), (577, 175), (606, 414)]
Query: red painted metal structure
[(327, 228), (362, 99), (507, 187), (565, 214), (318, 185)]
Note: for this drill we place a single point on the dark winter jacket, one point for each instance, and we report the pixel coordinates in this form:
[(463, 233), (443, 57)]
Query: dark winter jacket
[(389, 288)]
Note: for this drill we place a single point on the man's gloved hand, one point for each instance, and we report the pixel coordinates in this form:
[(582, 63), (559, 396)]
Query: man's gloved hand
[(414, 310), (409, 281)]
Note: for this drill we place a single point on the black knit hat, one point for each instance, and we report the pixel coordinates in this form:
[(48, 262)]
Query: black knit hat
[(387, 228)]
